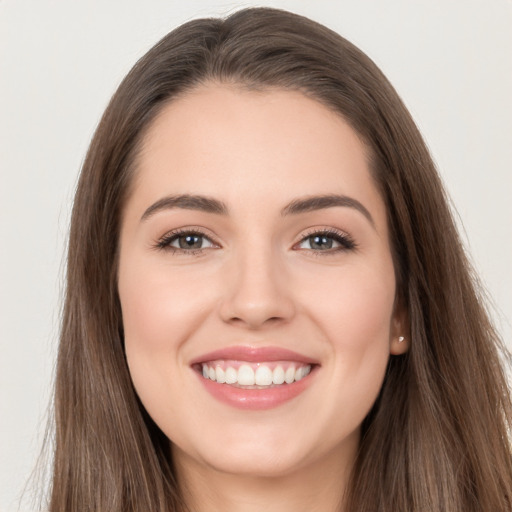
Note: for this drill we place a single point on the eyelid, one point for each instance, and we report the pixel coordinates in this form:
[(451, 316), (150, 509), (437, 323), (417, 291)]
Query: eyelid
[(345, 240), (163, 242)]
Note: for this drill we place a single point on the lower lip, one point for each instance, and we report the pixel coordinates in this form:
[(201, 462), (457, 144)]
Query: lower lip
[(256, 399)]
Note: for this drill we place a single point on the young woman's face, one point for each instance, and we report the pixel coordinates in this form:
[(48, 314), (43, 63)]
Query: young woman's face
[(256, 281)]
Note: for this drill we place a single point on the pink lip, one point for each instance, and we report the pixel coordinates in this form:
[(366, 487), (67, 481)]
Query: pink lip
[(254, 355), (255, 399)]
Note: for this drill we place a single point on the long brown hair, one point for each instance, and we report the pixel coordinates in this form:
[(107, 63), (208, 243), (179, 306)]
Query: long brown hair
[(437, 438)]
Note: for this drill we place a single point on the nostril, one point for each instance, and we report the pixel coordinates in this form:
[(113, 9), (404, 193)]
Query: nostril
[(257, 323)]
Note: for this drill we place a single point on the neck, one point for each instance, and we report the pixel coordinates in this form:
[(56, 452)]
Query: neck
[(319, 486)]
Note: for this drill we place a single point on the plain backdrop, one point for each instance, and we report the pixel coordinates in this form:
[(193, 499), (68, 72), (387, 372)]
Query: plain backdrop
[(60, 61)]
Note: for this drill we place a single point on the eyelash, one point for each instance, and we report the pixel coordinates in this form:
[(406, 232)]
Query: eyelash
[(346, 242), (165, 242), (343, 239)]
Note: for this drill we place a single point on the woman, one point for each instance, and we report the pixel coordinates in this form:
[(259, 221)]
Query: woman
[(267, 302)]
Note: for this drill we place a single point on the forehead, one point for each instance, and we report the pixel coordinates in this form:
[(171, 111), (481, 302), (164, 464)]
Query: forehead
[(254, 146)]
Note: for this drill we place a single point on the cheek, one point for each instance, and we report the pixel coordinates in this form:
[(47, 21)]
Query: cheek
[(355, 305), (159, 306), (160, 309), (158, 312), (355, 317)]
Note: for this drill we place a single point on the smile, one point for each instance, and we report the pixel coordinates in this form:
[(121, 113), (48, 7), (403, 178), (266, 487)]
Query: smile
[(255, 378), (255, 375)]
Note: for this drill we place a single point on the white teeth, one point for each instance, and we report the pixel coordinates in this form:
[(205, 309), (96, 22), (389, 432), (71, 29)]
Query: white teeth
[(231, 375), (278, 375), (245, 375), (289, 376), (263, 376), (220, 375), (300, 373)]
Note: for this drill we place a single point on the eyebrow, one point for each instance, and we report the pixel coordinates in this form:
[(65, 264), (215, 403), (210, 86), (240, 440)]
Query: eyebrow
[(313, 203), (187, 202), (297, 206)]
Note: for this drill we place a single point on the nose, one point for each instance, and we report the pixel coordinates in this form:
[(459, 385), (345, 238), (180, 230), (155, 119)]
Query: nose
[(258, 292)]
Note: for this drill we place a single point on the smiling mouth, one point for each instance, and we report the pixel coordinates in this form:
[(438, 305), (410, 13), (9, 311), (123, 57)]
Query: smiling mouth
[(255, 378), (251, 375)]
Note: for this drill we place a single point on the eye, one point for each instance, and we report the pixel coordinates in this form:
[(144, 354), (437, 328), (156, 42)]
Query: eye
[(185, 241), (190, 241), (326, 241)]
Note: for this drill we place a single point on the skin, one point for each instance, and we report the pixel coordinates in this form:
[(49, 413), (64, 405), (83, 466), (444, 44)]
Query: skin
[(257, 281)]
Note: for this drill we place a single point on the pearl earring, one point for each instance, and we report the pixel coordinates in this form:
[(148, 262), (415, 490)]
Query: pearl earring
[(401, 339)]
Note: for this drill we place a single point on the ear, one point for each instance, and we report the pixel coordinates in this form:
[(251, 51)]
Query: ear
[(399, 336)]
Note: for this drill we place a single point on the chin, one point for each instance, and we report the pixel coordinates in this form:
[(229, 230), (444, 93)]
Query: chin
[(260, 454), (257, 465)]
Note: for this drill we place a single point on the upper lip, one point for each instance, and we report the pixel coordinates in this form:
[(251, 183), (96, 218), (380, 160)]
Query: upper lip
[(254, 355)]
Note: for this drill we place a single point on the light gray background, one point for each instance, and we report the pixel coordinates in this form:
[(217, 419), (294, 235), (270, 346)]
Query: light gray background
[(60, 61)]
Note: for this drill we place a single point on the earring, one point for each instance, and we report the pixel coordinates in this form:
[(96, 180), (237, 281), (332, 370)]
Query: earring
[(401, 339)]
